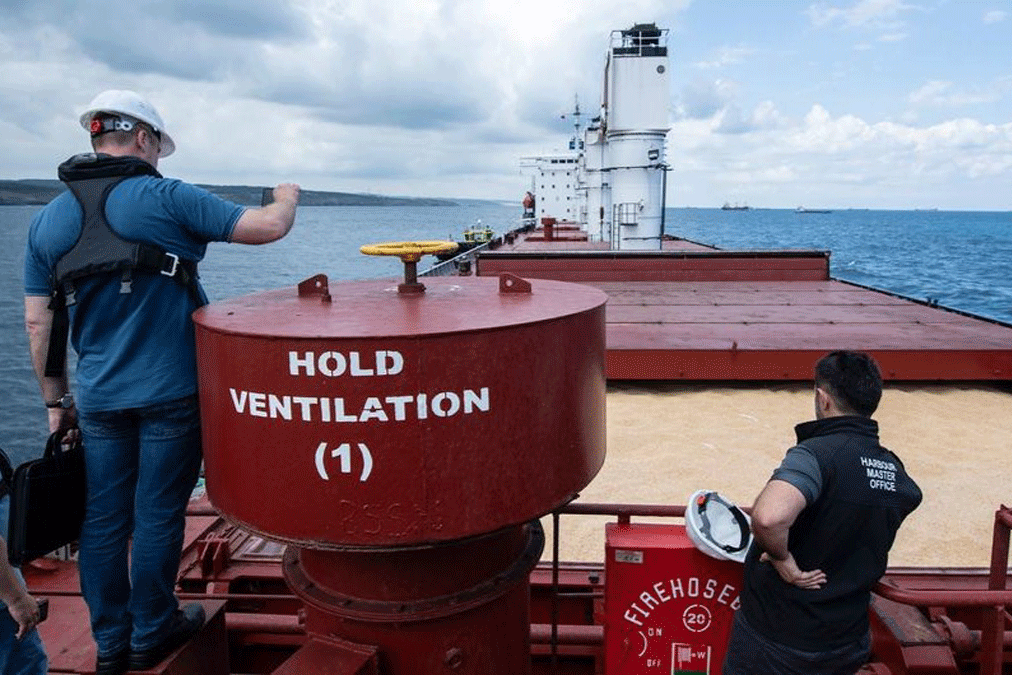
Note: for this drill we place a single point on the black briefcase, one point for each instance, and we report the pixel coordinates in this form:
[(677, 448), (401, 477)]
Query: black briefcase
[(47, 501)]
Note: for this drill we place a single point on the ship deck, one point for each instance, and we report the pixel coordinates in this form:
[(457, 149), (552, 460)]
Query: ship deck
[(687, 312), (693, 312), (256, 623)]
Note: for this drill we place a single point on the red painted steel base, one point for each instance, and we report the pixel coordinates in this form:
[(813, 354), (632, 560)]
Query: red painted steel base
[(331, 656), (462, 607)]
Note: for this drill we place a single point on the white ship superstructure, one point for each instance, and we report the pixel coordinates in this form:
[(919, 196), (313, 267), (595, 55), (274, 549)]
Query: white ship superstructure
[(557, 186), (612, 180)]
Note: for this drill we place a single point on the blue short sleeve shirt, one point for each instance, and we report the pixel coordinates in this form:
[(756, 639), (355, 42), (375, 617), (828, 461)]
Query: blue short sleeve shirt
[(133, 349)]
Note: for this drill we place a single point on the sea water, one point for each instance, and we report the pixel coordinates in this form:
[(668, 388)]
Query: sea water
[(958, 259)]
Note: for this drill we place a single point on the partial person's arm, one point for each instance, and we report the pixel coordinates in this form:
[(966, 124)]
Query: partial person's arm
[(38, 322), (775, 510), (23, 608), (268, 223)]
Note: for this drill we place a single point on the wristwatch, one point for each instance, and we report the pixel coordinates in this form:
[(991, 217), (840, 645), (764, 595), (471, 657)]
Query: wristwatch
[(65, 401)]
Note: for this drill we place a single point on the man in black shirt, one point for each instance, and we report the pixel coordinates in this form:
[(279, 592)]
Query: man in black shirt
[(823, 526)]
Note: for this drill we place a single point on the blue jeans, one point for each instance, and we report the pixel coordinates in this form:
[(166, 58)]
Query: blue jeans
[(141, 466), (20, 657), (25, 656)]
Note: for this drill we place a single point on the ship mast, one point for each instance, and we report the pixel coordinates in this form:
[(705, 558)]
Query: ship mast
[(576, 142)]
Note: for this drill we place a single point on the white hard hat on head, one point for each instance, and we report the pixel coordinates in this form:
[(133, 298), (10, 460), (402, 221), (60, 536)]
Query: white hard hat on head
[(131, 104), (717, 527)]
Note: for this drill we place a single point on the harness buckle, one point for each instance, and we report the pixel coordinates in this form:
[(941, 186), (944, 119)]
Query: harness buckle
[(175, 265)]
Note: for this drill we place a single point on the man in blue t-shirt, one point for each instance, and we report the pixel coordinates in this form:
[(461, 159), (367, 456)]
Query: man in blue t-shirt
[(136, 380), (823, 526)]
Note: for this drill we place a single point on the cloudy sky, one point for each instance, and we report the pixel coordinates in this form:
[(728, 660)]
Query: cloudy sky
[(834, 103)]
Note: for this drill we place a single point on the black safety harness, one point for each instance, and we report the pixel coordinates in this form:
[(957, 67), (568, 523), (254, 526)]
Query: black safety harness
[(99, 250)]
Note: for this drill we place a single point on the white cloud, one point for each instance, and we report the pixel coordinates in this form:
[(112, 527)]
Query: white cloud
[(995, 16), (819, 132), (876, 21), (728, 56), (893, 37), (349, 87), (953, 141), (886, 16), (943, 94), (731, 120), (441, 97), (930, 92), (702, 99), (841, 160), (875, 13)]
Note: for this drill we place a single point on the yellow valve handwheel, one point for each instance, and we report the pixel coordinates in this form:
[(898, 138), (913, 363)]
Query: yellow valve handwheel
[(409, 251)]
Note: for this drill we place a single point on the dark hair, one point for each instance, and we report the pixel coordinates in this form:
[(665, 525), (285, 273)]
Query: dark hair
[(852, 379)]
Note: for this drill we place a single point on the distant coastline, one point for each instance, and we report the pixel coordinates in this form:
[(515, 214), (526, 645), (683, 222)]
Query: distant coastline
[(29, 192)]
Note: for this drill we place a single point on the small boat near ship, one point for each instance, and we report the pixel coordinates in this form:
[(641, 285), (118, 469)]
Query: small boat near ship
[(477, 235), (377, 504), (802, 209)]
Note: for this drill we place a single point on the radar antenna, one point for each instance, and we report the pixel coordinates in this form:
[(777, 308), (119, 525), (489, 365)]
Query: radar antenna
[(576, 142)]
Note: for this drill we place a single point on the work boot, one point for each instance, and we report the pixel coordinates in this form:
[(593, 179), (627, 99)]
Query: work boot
[(184, 624), (112, 665)]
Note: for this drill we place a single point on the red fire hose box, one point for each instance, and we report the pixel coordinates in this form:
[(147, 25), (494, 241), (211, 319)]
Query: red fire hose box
[(668, 606)]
